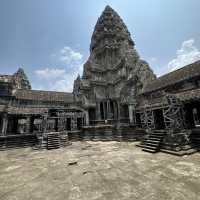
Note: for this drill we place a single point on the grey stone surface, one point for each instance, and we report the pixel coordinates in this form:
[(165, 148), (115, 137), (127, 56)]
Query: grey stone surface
[(114, 69), (100, 171)]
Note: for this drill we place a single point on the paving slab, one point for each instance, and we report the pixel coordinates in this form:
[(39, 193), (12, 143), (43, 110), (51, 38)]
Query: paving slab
[(98, 171)]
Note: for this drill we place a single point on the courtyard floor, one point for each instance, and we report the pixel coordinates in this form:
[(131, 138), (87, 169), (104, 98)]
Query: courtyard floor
[(98, 171)]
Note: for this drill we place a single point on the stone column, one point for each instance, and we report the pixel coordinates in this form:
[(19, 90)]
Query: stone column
[(5, 124), (75, 122), (87, 122), (44, 123), (114, 110), (108, 109), (98, 112), (28, 124), (104, 111), (118, 108), (130, 108)]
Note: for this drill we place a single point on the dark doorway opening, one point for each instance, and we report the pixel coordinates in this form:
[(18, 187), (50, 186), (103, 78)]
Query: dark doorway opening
[(1, 124), (31, 124), (79, 123), (138, 120), (68, 124), (111, 109), (125, 111), (56, 124), (12, 125), (159, 119), (92, 114), (106, 111), (101, 110), (192, 114)]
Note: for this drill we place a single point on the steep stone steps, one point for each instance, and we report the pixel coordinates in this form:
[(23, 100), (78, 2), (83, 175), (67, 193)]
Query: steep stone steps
[(53, 141), (153, 142), (64, 140), (195, 138)]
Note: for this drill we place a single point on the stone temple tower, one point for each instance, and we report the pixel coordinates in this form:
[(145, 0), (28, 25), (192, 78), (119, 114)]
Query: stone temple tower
[(114, 74)]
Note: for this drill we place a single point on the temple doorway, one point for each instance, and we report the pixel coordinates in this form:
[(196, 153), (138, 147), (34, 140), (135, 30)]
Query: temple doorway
[(192, 114), (111, 110), (138, 120), (125, 111), (92, 115), (102, 110), (1, 124), (79, 123), (68, 125), (159, 119), (12, 125)]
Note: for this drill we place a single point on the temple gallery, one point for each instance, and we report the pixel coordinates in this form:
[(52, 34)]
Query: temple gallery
[(118, 97)]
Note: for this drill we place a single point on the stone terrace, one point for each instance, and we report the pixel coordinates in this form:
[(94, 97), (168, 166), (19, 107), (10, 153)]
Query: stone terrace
[(100, 171)]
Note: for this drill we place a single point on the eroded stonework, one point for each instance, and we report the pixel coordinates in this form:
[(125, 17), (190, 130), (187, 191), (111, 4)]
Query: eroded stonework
[(118, 97), (114, 73)]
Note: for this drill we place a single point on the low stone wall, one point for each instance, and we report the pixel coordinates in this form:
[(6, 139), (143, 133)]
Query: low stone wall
[(177, 140), (107, 133)]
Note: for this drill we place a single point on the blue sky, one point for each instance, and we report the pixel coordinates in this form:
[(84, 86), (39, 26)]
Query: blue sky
[(50, 39)]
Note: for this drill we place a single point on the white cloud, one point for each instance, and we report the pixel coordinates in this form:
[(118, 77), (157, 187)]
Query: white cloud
[(62, 78), (153, 59), (50, 73), (187, 54), (56, 79), (69, 56)]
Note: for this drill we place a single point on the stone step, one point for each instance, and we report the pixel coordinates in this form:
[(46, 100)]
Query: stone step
[(53, 141), (155, 137), (150, 140), (181, 153), (160, 131), (149, 150), (144, 146), (151, 144)]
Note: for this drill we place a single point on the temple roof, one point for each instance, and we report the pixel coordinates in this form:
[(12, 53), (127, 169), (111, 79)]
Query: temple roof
[(6, 78), (189, 95), (184, 73), (38, 95)]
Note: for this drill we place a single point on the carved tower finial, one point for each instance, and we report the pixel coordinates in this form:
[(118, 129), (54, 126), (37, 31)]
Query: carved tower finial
[(21, 80)]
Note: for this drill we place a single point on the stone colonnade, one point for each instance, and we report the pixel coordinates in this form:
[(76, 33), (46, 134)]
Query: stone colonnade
[(28, 124), (112, 110)]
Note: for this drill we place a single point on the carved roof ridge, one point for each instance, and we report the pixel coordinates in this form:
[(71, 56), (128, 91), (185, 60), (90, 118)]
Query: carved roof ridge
[(173, 77)]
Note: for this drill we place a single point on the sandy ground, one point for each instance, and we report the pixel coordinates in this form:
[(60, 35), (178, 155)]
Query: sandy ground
[(100, 171)]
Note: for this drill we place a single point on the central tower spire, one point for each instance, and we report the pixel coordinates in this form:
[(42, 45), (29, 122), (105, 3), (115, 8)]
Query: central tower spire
[(109, 29)]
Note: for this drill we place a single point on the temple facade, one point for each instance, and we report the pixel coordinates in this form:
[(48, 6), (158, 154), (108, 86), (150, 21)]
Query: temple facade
[(117, 89), (113, 75)]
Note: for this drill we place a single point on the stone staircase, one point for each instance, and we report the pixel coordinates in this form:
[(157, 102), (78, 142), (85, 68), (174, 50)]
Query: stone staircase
[(195, 138), (64, 141), (53, 141), (15, 141), (152, 144)]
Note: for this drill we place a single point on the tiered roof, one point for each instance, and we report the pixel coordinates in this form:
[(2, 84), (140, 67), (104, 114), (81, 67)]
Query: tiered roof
[(182, 74), (47, 96)]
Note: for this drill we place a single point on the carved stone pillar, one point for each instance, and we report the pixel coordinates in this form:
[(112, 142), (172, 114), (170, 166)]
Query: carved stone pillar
[(28, 124), (87, 122), (114, 110), (118, 108), (75, 122), (130, 108), (44, 123), (104, 110), (5, 124), (108, 109), (98, 112)]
